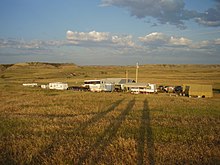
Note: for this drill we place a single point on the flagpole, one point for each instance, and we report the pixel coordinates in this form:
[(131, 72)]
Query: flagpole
[(137, 66), (126, 76)]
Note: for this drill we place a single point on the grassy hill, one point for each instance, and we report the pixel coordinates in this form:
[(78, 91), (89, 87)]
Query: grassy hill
[(40, 126), (160, 74)]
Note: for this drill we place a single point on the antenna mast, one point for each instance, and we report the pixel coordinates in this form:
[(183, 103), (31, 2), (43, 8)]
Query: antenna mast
[(126, 76), (137, 67)]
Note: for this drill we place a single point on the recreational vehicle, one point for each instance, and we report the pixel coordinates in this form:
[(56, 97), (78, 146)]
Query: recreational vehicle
[(30, 85), (93, 85), (137, 88), (58, 86), (107, 85)]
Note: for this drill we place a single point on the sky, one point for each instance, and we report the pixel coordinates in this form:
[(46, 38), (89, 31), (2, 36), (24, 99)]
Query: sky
[(110, 32)]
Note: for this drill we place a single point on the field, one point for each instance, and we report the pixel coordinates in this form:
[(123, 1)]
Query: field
[(39, 126)]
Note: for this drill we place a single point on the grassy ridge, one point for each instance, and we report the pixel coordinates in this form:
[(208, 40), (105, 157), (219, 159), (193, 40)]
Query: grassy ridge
[(165, 74), (64, 127)]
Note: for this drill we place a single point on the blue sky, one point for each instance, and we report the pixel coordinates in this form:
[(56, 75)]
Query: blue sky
[(110, 32)]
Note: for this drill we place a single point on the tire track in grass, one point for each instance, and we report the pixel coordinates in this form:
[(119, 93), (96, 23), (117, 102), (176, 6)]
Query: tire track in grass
[(107, 137), (49, 150), (145, 137)]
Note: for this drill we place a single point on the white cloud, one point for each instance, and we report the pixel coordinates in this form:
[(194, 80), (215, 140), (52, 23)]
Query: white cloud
[(217, 41), (201, 45), (70, 35), (32, 44), (99, 39), (207, 44), (123, 41), (106, 40), (158, 39), (90, 36), (101, 44), (154, 37), (181, 41)]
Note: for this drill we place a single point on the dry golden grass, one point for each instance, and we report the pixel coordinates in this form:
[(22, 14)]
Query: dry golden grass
[(64, 127)]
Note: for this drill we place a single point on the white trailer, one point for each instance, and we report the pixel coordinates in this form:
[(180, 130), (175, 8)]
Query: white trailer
[(106, 85), (137, 88), (30, 84), (44, 86), (94, 85), (58, 85)]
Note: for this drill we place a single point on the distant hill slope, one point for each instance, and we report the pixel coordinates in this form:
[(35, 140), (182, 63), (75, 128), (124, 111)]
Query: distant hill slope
[(4, 67), (164, 74)]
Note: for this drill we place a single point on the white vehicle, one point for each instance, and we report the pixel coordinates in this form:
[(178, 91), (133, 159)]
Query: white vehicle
[(94, 85), (106, 85), (58, 86), (151, 88), (137, 88), (30, 85)]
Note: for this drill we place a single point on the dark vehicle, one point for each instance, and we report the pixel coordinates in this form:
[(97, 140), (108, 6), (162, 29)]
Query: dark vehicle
[(178, 90), (78, 88), (160, 88)]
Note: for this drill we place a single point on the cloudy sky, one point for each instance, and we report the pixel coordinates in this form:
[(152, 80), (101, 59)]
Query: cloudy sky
[(110, 32)]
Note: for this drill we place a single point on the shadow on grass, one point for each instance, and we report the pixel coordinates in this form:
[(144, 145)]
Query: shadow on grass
[(145, 137), (99, 116), (107, 137), (52, 116), (50, 149)]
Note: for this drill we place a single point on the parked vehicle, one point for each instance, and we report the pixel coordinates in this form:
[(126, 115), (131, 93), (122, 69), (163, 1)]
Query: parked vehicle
[(137, 88), (58, 85), (93, 85), (78, 88), (169, 89), (160, 89), (178, 90)]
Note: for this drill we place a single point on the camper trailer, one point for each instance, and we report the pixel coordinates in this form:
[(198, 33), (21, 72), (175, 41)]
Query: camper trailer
[(58, 85), (107, 85), (137, 88), (30, 84), (93, 85)]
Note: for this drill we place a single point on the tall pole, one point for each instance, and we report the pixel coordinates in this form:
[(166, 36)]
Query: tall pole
[(137, 67), (126, 75)]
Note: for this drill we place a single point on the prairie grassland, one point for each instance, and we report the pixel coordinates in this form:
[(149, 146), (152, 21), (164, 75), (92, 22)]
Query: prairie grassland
[(63, 127)]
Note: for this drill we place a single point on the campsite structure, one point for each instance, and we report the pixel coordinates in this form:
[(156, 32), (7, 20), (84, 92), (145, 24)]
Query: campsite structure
[(107, 85), (114, 84), (132, 86)]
